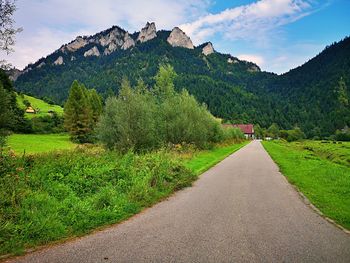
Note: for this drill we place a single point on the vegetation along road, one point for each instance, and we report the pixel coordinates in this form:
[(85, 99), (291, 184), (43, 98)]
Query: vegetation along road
[(241, 210)]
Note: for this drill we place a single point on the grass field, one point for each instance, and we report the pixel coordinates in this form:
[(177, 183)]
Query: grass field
[(39, 143), (41, 106), (321, 171), (203, 160)]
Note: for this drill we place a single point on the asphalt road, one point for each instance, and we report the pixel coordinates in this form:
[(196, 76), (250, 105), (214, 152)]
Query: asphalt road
[(241, 210)]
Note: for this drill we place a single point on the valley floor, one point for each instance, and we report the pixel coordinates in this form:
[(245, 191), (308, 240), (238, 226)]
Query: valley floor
[(241, 210)]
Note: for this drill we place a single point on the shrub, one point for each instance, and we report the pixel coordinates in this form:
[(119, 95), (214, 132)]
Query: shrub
[(140, 119)]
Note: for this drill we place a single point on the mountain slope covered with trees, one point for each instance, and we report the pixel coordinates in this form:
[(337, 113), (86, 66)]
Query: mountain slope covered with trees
[(234, 90)]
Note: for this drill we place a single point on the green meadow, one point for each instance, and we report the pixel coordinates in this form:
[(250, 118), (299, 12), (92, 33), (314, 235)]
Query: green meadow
[(39, 105), (320, 170), (39, 143)]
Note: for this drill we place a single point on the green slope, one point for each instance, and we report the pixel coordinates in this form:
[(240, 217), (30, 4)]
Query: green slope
[(39, 105)]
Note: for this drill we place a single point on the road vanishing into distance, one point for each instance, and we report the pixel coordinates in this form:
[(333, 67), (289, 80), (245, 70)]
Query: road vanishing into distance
[(241, 210)]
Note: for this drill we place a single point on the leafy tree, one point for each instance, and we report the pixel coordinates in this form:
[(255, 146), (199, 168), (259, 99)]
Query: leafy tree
[(78, 113), (138, 120), (129, 121), (164, 86), (7, 29)]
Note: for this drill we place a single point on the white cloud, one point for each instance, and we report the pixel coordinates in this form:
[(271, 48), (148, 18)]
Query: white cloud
[(49, 24), (257, 59), (255, 22)]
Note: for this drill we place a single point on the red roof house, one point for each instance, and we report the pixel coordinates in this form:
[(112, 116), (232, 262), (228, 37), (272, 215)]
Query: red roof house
[(247, 129)]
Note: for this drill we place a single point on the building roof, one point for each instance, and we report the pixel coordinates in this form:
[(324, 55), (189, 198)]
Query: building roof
[(30, 110), (245, 128)]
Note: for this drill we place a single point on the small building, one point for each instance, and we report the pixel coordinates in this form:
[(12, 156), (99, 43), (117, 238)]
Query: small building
[(30, 110), (247, 129)]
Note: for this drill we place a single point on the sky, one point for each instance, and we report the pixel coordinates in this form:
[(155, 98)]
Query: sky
[(278, 35)]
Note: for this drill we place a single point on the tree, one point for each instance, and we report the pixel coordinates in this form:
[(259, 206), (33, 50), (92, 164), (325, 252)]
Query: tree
[(95, 102), (7, 29), (129, 120), (78, 113), (273, 131), (164, 86)]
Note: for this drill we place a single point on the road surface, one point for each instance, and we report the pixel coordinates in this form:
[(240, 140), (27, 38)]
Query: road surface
[(241, 210)]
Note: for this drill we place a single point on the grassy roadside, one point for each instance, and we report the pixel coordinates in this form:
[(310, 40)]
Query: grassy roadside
[(203, 160), (53, 196), (320, 171), (38, 143)]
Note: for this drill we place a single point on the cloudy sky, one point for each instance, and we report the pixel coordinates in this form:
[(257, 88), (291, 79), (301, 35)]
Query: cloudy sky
[(276, 34)]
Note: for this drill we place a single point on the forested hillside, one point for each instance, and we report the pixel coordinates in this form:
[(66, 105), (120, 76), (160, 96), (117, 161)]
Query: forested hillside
[(235, 90)]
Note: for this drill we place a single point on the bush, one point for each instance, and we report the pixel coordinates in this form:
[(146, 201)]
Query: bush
[(292, 135), (140, 119), (343, 135)]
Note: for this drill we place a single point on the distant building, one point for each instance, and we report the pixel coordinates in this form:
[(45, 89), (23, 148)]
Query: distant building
[(30, 110), (247, 129)]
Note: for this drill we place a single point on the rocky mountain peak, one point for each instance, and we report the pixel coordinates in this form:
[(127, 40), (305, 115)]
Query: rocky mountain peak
[(148, 32), (178, 38), (208, 49)]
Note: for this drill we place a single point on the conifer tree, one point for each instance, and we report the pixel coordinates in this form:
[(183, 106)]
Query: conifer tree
[(78, 113), (95, 102)]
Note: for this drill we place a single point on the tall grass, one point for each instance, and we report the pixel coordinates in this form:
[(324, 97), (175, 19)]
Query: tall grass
[(57, 195)]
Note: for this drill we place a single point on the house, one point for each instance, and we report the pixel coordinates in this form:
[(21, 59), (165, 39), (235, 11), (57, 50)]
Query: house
[(30, 110), (247, 129)]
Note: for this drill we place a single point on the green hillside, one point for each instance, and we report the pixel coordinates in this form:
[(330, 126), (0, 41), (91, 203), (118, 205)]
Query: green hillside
[(41, 107)]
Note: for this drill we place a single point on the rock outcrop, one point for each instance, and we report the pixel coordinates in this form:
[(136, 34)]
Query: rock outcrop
[(79, 42), (114, 37), (208, 49), (128, 41), (92, 52), (232, 61), (178, 38), (14, 73), (58, 61), (147, 33)]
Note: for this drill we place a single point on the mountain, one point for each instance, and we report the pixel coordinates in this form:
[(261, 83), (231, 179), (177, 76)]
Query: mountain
[(318, 91), (233, 89)]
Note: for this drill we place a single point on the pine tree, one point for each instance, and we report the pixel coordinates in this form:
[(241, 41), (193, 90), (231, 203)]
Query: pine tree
[(78, 113)]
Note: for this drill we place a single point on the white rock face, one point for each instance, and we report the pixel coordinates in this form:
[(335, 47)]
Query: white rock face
[(230, 60), (58, 61), (79, 42), (128, 41), (178, 38), (112, 47), (147, 33), (92, 52), (115, 37), (208, 49)]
